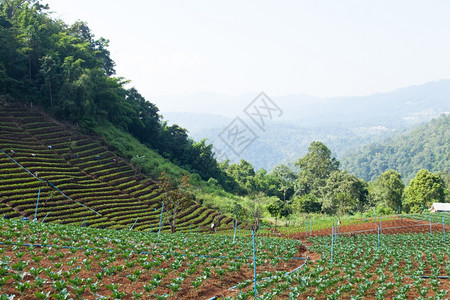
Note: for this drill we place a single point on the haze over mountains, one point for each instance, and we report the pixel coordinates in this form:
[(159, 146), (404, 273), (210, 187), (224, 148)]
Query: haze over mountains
[(344, 124)]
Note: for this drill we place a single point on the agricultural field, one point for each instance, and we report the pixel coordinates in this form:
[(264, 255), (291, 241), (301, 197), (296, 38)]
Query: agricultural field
[(42, 261), (100, 188), (387, 225), (79, 262)]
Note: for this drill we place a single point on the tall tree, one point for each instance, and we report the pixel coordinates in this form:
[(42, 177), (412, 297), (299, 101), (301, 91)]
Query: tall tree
[(423, 190), (176, 198), (343, 193), (238, 212), (388, 189), (446, 178), (274, 210), (285, 178), (244, 174), (256, 210), (66, 69), (315, 167)]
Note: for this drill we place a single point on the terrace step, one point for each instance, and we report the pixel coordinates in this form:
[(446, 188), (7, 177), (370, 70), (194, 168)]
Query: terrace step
[(113, 190)]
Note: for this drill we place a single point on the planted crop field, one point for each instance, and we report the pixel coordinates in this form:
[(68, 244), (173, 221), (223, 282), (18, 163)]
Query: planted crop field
[(78, 178), (393, 225), (57, 261), (42, 261)]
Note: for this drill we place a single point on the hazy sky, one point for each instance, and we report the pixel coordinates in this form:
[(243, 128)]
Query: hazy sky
[(321, 48)]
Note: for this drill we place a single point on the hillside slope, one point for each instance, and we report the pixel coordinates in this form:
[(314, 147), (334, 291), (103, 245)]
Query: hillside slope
[(426, 147), (112, 189)]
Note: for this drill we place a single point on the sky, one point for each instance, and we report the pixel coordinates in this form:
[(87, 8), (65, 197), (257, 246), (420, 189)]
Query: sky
[(323, 48)]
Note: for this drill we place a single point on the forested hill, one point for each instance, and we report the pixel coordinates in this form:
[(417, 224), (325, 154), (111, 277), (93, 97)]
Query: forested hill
[(426, 147), (67, 71)]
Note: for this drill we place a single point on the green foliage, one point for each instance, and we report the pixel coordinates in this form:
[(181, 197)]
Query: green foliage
[(193, 254), (70, 73), (315, 167), (388, 189), (426, 147), (176, 197), (238, 211), (445, 175), (425, 189), (284, 178), (344, 193), (274, 209), (129, 147), (244, 174), (307, 204), (383, 209)]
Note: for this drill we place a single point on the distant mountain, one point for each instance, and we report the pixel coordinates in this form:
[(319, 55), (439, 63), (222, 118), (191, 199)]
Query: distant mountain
[(400, 108), (344, 124), (426, 147)]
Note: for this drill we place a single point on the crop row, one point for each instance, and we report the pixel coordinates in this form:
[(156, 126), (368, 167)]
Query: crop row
[(86, 179), (86, 262)]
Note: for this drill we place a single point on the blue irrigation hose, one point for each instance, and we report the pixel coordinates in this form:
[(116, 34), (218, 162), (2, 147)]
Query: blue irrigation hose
[(131, 228), (378, 237), (439, 277), (265, 278), (254, 264), (45, 217), (332, 240), (431, 232), (235, 226), (54, 186), (37, 203)]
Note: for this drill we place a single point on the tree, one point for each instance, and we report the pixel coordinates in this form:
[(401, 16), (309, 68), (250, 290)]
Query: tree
[(238, 212), (256, 209), (307, 204), (315, 167), (176, 198), (446, 179), (423, 190), (244, 174), (286, 211), (69, 72), (285, 178), (49, 70), (343, 193), (274, 210), (425, 147), (388, 189)]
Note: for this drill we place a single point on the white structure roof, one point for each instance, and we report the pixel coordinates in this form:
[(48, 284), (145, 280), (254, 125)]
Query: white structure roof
[(440, 207)]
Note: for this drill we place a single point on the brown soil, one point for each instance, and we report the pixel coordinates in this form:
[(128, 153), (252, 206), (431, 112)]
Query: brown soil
[(387, 227), (212, 286)]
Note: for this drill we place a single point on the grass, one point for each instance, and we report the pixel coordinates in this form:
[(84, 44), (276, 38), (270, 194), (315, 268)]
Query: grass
[(129, 147), (154, 164)]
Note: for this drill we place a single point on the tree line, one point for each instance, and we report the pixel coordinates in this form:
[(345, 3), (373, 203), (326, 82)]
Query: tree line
[(426, 147), (316, 184), (70, 73)]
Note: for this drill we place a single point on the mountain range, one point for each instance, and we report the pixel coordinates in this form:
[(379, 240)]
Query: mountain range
[(344, 124)]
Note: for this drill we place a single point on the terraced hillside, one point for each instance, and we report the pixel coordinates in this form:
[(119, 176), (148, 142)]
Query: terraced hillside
[(85, 170)]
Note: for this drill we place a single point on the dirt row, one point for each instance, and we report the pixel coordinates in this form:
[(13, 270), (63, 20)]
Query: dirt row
[(387, 227)]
